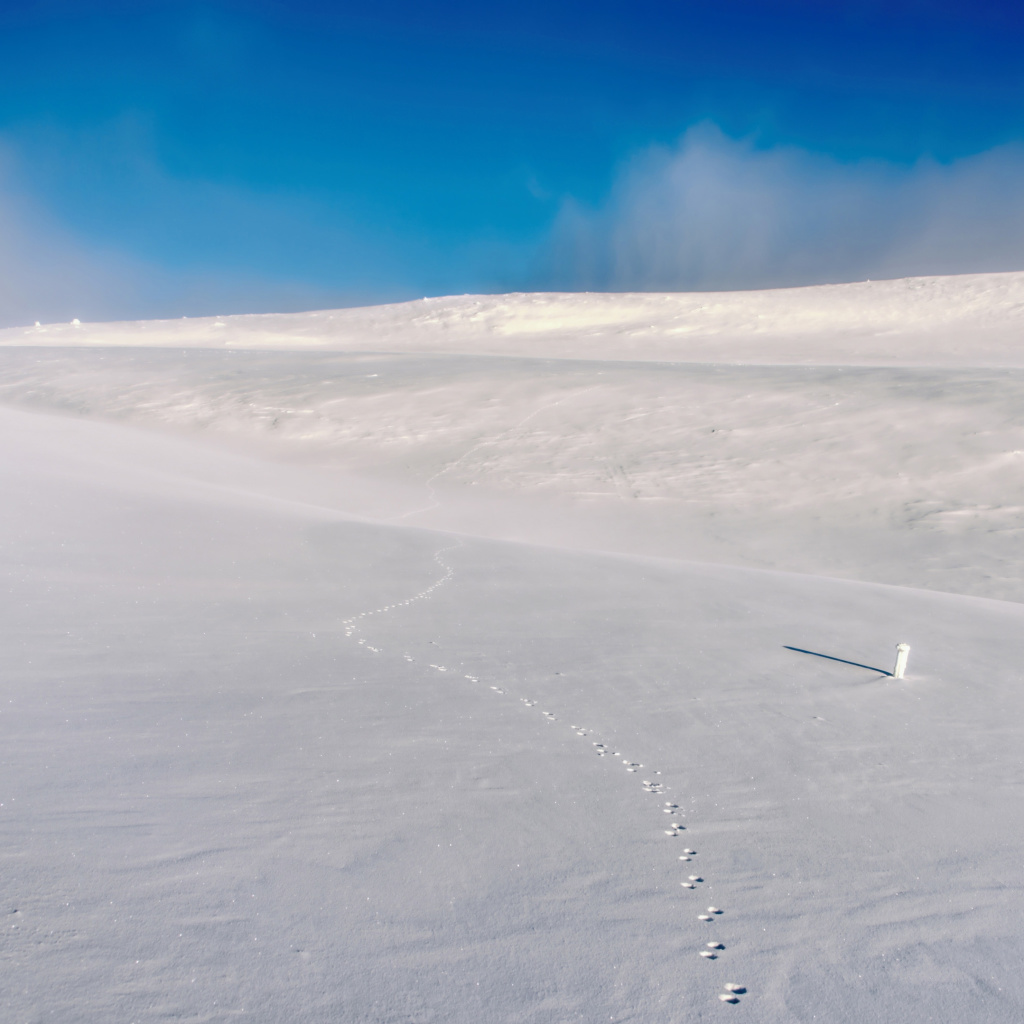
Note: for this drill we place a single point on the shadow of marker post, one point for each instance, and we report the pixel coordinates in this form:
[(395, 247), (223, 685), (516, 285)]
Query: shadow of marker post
[(842, 661)]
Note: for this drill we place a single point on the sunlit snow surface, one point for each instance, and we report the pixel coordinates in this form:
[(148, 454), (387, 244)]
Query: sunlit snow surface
[(506, 659)]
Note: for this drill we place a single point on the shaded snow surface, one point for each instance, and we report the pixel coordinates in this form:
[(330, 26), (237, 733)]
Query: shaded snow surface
[(273, 751)]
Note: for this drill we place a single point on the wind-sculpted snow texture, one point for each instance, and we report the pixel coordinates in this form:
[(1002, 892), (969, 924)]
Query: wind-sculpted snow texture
[(887, 446), (272, 750)]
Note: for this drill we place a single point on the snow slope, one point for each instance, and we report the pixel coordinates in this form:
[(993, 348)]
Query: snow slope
[(867, 431), (965, 320), (274, 751)]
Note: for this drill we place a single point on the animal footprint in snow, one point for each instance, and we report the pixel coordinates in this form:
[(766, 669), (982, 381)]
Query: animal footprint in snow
[(704, 917), (473, 679), (408, 657), (688, 885), (713, 910), (497, 689), (735, 989), (715, 945), (696, 878), (728, 997), (708, 955)]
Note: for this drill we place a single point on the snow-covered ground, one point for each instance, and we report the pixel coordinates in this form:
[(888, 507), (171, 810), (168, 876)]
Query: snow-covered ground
[(384, 665)]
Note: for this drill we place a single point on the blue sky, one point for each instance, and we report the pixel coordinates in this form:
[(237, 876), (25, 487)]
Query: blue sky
[(161, 159)]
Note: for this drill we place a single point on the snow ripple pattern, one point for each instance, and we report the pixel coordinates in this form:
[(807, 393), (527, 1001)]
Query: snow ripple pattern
[(673, 827)]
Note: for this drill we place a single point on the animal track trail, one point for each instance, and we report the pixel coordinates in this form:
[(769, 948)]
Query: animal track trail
[(676, 824), (351, 625)]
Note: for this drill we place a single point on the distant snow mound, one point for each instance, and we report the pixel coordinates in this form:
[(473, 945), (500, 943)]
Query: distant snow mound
[(964, 320)]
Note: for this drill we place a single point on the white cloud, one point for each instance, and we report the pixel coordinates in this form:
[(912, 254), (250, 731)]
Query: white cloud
[(719, 213)]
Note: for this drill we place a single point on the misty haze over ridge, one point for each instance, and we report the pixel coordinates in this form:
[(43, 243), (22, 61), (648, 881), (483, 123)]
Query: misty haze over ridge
[(720, 213), (710, 213)]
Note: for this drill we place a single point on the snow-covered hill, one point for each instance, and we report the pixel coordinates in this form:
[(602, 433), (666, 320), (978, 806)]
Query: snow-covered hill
[(968, 320), (401, 669), (877, 434)]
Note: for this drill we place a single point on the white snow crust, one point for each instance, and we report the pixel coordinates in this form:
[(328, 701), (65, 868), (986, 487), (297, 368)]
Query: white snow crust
[(519, 659)]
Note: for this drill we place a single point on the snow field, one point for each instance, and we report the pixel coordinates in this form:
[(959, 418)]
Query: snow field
[(272, 749), (917, 469)]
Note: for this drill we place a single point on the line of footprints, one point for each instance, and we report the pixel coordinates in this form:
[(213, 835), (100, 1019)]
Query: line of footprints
[(731, 991)]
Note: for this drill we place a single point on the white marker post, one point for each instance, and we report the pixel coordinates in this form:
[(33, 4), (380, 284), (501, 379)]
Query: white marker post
[(902, 650)]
